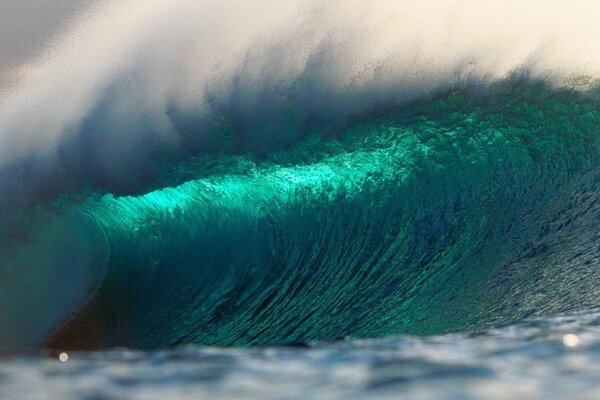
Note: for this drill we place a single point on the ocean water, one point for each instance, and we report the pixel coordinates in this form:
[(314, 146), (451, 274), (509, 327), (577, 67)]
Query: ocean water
[(215, 200), (546, 358), (433, 252)]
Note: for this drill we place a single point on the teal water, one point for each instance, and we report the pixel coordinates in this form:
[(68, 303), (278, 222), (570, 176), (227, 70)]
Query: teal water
[(449, 215)]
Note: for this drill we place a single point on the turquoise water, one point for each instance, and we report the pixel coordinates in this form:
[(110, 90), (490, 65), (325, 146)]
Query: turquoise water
[(453, 214)]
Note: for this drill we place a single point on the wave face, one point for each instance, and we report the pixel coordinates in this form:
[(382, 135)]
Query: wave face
[(451, 215), (216, 173)]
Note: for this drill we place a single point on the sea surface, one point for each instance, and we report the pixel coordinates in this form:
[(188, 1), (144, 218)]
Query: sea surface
[(545, 358)]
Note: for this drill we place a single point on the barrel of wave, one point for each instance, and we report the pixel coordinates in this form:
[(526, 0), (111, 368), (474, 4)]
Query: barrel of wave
[(46, 277)]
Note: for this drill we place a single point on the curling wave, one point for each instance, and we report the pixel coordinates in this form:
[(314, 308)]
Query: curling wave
[(232, 174), (451, 215)]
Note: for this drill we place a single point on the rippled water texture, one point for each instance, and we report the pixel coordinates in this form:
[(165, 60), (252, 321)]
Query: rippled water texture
[(549, 358)]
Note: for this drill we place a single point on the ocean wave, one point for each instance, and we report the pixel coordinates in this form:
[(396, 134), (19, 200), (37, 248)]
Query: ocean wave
[(451, 215), (271, 172)]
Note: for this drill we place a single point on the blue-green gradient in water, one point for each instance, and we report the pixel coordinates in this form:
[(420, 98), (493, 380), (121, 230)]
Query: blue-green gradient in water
[(448, 215)]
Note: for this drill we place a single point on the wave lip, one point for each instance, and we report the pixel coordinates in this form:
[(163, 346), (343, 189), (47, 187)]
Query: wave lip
[(106, 97), (47, 277)]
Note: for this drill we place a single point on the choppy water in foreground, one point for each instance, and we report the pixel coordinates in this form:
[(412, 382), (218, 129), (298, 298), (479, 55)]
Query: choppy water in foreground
[(548, 358)]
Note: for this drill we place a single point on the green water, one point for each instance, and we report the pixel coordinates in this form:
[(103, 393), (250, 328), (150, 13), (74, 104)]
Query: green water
[(431, 219)]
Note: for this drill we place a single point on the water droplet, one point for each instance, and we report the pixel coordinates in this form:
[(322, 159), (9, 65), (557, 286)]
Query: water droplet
[(571, 340)]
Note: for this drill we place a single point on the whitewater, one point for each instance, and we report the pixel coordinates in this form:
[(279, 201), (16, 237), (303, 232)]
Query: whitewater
[(351, 199)]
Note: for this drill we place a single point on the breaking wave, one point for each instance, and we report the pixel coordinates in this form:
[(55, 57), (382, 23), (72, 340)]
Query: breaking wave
[(237, 174)]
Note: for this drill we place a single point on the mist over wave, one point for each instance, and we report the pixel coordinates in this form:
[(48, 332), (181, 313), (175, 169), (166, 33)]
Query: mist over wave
[(132, 82)]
